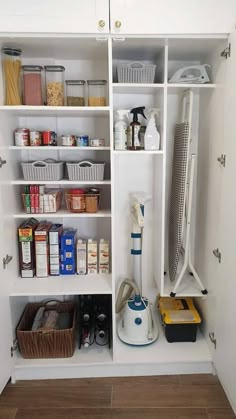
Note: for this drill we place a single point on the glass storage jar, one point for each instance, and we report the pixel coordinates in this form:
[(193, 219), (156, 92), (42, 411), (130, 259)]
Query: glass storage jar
[(32, 85), (75, 92), (96, 92), (12, 75), (54, 85)]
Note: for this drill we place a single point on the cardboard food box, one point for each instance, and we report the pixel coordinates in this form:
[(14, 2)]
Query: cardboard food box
[(92, 256), (68, 252), (41, 237), (103, 256), (81, 257), (26, 248), (54, 248)]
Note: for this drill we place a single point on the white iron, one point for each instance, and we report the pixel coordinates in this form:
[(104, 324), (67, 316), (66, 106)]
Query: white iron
[(136, 325), (192, 74)]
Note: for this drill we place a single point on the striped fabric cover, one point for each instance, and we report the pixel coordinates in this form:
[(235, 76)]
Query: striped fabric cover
[(177, 199)]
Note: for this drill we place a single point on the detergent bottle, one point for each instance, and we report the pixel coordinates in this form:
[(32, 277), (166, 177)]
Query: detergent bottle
[(134, 142), (152, 136), (120, 133)]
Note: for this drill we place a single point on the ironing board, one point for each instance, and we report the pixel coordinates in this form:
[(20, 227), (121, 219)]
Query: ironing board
[(181, 198)]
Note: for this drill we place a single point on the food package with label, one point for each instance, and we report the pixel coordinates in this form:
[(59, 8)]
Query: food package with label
[(41, 237), (26, 248), (68, 252)]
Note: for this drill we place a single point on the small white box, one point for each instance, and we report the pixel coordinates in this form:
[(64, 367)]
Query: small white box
[(92, 257), (103, 256), (81, 254)]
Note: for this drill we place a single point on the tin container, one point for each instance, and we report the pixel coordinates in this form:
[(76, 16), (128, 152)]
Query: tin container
[(68, 140), (22, 136), (49, 138), (97, 142), (35, 138), (82, 141)]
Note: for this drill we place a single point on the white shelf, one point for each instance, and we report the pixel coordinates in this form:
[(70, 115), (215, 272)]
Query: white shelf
[(63, 285), (176, 87), (187, 288), (74, 111), (60, 182), (132, 152), (66, 214), (46, 148), (136, 88), (98, 355)]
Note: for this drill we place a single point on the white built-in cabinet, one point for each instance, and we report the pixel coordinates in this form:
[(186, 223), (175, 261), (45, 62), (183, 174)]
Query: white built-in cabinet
[(214, 209)]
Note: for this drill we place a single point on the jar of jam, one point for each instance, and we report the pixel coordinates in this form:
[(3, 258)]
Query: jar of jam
[(76, 198)]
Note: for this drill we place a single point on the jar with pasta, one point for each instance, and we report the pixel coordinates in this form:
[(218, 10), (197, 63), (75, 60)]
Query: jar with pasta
[(12, 75), (54, 85), (96, 92)]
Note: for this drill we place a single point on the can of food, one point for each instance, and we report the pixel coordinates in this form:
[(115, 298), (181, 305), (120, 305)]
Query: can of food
[(49, 138), (22, 137), (35, 138), (68, 140), (82, 141), (97, 142)]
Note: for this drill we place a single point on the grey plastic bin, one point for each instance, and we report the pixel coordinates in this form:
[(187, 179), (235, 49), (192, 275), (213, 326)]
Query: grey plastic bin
[(85, 170), (136, 72), (48, 169)]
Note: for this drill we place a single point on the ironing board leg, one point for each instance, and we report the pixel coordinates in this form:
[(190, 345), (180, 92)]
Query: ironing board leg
[(178, 282)]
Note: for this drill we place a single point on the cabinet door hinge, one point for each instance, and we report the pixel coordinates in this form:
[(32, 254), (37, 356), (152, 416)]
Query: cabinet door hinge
[(217, 254), (212, 338), (14, 347), (226, 53), (2, 162), (222, 159)]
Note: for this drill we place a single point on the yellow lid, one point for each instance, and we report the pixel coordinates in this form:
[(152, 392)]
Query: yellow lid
[(178, 310)]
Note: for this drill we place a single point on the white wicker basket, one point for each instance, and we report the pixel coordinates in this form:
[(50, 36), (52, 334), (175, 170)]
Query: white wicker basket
[(43, 170), (136, 72), (85, 170)]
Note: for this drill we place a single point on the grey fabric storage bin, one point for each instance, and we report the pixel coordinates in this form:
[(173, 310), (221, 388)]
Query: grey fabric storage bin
[(85, 170), (43, 170)]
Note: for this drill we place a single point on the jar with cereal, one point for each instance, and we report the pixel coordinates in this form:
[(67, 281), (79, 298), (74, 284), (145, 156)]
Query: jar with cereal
[(54, 85), (96, 92)]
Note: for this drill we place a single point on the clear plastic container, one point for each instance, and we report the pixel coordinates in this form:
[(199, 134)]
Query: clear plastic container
[(32, 85), (96, 92), (12, 75), (54, 85), (75, 92)]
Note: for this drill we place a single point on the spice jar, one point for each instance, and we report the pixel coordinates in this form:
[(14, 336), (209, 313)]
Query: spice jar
[(55, 84), (77, 200), (75, 92), (12, 72), (32, 85), (96, 92), (92, 200)]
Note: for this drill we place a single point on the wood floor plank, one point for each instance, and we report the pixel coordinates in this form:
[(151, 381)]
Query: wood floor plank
[(221, 413), (112, 413), (7, 413), (38, 397), (173, 396), (157, 379), (199, 379)]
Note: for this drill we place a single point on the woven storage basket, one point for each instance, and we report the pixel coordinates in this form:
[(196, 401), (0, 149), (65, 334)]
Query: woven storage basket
[(136, 72), (53, 344), (43, 170), (85, 170)]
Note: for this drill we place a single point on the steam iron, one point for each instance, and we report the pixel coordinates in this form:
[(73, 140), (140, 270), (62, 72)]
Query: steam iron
[(192, 74)]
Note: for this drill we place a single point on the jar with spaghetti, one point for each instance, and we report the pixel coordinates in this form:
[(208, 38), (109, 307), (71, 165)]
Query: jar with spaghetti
[(32, 85), (12, 75), (96, 92), (55, 84)]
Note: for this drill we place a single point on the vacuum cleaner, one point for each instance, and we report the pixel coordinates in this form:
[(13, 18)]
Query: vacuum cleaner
[(136, 325)]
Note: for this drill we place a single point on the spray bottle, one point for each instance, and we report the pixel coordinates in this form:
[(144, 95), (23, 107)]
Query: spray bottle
[(120, 134), (134, 143), (152, 136)]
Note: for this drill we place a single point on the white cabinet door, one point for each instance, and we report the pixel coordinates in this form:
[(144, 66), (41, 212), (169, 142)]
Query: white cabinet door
[(73, 16), (172, 17), (225, 328), (6, 363)]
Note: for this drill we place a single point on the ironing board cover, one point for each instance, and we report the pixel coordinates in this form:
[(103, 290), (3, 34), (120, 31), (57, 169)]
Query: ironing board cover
[(177, 199)]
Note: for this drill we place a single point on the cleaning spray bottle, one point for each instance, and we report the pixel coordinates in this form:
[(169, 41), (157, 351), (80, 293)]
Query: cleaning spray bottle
[(152, 136), (134, 143), (121, 125)]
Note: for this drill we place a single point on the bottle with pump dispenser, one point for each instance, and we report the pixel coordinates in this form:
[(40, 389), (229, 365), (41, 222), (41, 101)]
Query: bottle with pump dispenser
[(134, 142), (120, 132), (152, 136)]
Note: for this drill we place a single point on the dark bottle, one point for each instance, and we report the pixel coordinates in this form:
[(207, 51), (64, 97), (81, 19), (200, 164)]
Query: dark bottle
[(135, 128)]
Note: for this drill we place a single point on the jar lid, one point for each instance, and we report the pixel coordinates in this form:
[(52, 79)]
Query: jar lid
[(77, 191), (54, 68), (96, 82), (75, 82), (32, 67), (12, 51)]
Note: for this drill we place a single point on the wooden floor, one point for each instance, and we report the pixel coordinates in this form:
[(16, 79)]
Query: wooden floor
[(167, 397)]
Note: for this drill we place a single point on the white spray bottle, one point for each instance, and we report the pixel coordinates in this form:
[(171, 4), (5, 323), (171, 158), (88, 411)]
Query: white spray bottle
[(120, 132), (152, 136)]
